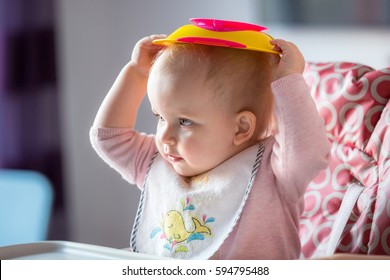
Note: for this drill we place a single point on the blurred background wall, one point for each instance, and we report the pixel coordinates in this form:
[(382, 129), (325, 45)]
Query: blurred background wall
[(30, 130), (58, 59)]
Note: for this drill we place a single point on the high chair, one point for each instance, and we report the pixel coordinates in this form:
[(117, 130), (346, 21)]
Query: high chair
[(25, 206), (347, 206)]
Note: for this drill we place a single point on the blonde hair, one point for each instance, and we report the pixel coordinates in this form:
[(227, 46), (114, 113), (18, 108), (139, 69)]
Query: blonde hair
[(241, 79)]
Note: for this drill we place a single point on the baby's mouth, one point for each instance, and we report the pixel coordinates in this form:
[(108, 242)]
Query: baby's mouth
[(173, 158)]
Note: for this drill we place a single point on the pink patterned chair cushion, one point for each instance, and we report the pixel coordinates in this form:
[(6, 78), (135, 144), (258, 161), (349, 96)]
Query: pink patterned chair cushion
[(353, 99)]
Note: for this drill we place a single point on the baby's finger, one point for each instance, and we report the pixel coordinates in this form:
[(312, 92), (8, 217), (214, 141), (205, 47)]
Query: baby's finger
[(156, 36), (280, 44), (277, 48), (148, 40)]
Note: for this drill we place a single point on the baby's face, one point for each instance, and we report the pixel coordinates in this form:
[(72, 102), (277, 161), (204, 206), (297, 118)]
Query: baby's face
[(194, 133)]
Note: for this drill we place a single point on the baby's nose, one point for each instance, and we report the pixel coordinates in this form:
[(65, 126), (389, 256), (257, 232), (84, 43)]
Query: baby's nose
[(167, 136)]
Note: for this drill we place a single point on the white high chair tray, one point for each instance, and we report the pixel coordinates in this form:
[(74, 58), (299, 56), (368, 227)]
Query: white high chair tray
[(66, 250)]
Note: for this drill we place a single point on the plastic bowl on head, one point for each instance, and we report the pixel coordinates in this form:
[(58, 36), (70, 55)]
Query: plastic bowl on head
[(223, 33)]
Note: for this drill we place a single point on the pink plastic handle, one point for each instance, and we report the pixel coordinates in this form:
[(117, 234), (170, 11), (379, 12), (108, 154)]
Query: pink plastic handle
[(226, 25), (211, 42)]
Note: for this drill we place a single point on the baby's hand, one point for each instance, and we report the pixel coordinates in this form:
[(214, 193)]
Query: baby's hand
[(291, 60), (144, 53)]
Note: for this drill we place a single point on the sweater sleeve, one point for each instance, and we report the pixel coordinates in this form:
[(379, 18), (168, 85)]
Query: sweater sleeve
[(125, 150), (301, 149)]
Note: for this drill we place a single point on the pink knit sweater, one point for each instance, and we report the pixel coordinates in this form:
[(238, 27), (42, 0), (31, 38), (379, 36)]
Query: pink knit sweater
[(268, 227)]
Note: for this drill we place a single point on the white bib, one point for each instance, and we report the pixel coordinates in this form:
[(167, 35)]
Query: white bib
[(191, 220)]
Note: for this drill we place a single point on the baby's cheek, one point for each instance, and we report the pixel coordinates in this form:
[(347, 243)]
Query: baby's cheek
[(194, 149), (159, 145)]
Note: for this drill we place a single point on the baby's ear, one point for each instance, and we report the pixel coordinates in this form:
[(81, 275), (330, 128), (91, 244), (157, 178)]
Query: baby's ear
[(245, 127)]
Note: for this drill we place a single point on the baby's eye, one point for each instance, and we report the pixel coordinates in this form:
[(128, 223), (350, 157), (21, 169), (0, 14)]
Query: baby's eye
[(185, 122), (160, 119)]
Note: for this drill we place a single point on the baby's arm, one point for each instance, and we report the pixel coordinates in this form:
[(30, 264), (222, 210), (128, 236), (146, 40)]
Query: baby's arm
[(112, 135), (302, 148), (120, 106)]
